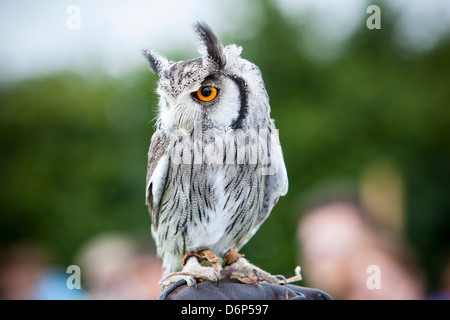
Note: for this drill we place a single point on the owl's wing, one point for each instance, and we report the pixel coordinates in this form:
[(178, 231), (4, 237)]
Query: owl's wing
[(157, 168), (276, 184)]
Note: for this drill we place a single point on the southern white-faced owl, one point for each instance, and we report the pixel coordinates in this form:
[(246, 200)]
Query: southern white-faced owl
[(215, 164)]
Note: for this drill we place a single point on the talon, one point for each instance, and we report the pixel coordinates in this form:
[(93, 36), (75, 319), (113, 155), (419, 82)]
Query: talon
[(188, 278), (217, 274), (193, 272), (169, 289), (192, 282), (256, 273), (281, 278)]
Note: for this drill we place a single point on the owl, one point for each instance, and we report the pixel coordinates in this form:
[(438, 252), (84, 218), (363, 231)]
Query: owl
[(215, 164)]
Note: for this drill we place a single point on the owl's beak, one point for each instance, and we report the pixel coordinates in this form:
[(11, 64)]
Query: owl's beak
[(186, 116)]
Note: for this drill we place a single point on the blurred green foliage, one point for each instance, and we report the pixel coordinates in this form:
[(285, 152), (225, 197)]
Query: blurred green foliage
[(74, 149), (74, 158)]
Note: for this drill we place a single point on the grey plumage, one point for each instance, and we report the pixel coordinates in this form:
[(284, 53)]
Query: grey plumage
[(215, 168)]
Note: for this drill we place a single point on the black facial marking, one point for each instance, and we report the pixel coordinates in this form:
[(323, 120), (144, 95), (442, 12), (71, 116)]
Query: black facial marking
[(243, 94)]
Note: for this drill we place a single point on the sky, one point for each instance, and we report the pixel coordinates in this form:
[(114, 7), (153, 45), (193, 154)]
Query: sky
[(46, 36)]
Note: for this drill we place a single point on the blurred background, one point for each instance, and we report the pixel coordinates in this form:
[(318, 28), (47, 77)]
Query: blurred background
[(364, 122)]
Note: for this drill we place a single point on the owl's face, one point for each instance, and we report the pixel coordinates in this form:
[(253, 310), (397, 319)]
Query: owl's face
[(214, 89), (189, 93)]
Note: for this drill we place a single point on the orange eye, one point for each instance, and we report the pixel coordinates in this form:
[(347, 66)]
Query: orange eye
[(206, 93)]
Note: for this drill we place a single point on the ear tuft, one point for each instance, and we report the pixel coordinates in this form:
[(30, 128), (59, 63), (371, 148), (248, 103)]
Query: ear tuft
[(211, 48), (158, 63)]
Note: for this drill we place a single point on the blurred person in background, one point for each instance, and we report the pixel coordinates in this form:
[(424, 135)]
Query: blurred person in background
[(21, 266), (26, 273), (345, 255), (113, 266)]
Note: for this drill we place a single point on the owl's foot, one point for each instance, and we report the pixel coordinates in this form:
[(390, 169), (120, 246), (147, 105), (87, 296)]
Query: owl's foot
[(193, 271), (237, 267)]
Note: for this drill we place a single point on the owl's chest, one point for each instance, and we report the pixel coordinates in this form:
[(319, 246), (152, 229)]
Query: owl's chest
[(202, 188), (209, 204)]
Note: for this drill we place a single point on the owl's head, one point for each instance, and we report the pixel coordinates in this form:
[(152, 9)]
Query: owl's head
[(220, 89)]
